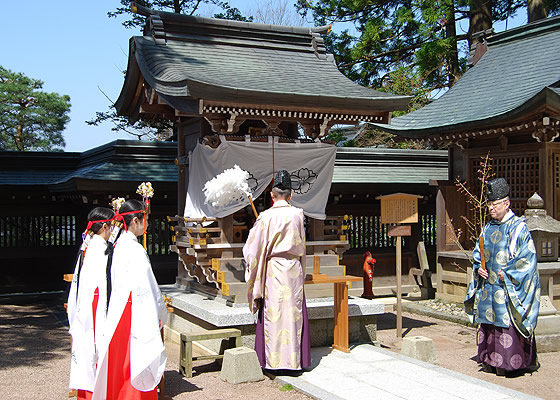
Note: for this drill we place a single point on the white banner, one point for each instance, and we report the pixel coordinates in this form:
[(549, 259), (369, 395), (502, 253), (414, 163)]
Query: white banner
[(310, 165)]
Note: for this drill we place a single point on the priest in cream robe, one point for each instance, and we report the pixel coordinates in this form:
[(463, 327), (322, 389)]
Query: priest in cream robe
[(275, 258)]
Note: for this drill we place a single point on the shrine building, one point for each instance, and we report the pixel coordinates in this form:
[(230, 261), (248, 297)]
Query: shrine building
[(260, 96), (507, 107)]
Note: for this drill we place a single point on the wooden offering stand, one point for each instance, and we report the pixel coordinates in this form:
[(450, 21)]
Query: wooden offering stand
[(340, 302)]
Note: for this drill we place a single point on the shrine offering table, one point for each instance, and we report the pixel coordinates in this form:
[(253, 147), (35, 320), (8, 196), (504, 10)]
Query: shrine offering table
[(340, 307)]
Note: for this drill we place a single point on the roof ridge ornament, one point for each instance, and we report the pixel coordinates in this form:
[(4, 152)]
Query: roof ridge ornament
[(154, 28)]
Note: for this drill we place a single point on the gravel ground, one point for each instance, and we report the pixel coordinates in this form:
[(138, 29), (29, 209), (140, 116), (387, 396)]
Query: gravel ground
[(35, 349), (442, 307), (35, 359)]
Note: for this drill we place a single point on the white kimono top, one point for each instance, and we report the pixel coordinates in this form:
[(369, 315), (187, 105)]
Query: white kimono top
[(131, 275), (92, 277)]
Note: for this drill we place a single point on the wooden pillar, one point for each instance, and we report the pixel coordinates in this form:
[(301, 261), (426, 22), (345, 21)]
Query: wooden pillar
[(441, 229), (399, 286), (183, 172), (341, 317), (317, 233), (188, 134)]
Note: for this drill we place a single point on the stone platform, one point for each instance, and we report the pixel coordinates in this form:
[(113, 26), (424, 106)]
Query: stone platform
[(196, 312)]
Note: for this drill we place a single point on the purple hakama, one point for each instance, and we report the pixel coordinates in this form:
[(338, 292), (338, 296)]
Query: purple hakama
[(505, 348)]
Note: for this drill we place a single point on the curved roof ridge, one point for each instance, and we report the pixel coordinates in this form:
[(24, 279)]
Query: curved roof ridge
[(194, 19), (524, 31)]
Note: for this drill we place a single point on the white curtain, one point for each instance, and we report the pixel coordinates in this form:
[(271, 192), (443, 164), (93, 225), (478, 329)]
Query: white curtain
[(310, 165)]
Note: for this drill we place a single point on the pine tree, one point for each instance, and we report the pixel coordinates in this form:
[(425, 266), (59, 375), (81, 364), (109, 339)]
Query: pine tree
[(30, 119)]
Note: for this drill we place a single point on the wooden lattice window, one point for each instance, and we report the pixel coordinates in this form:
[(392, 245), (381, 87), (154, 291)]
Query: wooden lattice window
[(520, 170), (37, 231), (367, 231)]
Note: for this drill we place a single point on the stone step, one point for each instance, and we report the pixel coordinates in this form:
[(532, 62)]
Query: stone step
[(392, 290), (326, 259), (234, 288), (234, 276), (238, 290), (327, 289), (231, 264), (230, 276), (331, 270), (316, 293), (355, 291)]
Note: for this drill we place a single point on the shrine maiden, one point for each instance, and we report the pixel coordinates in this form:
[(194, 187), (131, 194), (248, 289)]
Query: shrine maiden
[(132, 359), (504, 299), (275, 258), (87, 301)]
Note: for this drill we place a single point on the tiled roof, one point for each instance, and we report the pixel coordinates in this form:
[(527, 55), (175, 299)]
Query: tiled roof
[(521, 69), (375, 165), (121, 160), (191, 57), (137, 161)]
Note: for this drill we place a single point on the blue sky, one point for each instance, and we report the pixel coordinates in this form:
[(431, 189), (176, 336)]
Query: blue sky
[(75, 49)]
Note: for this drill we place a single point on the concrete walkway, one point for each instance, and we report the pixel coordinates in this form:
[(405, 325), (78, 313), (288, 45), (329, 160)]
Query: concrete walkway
[(370, 372)]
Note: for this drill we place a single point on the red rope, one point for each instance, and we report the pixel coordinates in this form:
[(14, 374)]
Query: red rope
[(90, 223), (273, 170), (119, 217), (273, 167)]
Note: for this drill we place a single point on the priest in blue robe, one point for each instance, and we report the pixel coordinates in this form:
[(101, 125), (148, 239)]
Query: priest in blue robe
[(504, 297)]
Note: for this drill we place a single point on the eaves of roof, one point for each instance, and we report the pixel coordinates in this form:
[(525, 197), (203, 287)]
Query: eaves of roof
[(246, 75), (126, 172), (201, 58)]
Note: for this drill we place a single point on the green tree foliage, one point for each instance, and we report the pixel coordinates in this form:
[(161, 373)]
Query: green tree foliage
[(417, 48), (30, 119), (385, 34), (381, 36)]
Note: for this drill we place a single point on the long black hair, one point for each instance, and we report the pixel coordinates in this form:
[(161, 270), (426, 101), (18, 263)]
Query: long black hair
[(130, 208), (96, 219)]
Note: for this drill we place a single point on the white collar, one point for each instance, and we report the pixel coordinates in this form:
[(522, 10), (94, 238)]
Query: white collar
[(131, 235), (508, 215), (280, 203), (98, 238)]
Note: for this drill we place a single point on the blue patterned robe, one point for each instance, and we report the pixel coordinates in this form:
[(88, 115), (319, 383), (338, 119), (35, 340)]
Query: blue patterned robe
[(508, 246)]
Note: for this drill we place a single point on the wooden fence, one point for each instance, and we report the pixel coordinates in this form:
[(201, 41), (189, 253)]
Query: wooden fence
[(366, 231)]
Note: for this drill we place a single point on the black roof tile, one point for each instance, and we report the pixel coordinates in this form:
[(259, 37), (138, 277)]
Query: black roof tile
[(205, 58), (521, 67)]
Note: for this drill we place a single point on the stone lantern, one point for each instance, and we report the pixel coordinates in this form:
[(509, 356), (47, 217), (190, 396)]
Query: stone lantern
[(545, 231)]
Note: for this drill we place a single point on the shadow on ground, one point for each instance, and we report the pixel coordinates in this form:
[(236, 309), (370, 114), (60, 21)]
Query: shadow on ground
[(389, 321), (33, 329), (175, 384)]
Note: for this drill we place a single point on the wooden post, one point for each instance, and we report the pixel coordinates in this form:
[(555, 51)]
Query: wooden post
[(399, 287), (397, 232), (316, 269), (226, 236), (316, 265), (341, 317), (399, 208)]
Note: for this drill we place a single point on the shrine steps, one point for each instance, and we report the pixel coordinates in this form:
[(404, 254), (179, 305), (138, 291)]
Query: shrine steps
[(229, 274)]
